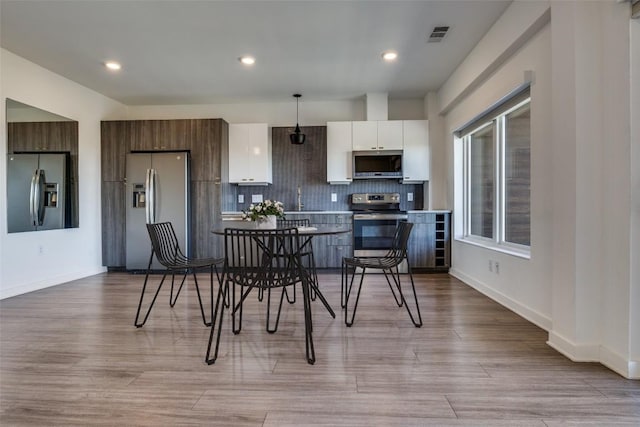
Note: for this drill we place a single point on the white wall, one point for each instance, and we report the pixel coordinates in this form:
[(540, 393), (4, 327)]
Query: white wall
[(311, 113), (581, 283), (615, 154), (67, 254), (523, 285), (634, 253)]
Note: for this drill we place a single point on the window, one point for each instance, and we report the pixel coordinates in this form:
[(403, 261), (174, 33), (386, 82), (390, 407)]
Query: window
[(497, 175)]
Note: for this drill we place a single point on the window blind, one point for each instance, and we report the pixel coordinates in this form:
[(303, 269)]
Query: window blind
[(504, 104)]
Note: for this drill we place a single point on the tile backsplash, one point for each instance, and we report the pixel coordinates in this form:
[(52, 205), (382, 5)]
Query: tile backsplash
[(305, 166)]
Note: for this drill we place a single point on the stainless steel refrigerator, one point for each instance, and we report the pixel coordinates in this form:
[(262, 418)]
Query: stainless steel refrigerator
[(157, 191), (37, 191)]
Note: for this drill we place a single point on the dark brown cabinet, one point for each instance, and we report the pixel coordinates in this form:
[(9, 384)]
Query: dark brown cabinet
[(161, 135), (429, 244), (113, 223), (42, 136), (206, 139), (113, 149)]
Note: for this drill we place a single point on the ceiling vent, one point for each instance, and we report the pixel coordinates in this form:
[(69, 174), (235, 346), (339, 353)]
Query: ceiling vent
[(437, 35)]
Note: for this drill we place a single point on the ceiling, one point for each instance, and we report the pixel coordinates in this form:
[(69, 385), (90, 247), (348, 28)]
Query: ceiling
[(186, 52)]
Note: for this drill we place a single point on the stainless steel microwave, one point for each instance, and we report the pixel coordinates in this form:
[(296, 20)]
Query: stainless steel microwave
[(377, 164)]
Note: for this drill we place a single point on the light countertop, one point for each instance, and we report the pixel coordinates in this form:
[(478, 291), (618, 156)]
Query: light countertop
[(238, 214)]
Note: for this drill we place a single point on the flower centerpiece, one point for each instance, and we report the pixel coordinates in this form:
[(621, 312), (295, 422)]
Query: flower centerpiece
[(265, 214)]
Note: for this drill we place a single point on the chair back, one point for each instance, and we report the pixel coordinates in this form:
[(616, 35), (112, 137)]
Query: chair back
[(165, 244), (262, 258), (287, 223), (400, 241)]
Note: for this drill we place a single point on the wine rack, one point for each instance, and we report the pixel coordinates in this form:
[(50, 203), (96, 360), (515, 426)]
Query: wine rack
[(442, 240)]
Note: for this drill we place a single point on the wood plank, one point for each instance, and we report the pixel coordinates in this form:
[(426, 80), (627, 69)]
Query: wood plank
[(70, 355)]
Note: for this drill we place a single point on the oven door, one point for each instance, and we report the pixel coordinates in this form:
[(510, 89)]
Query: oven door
[(373, 233)]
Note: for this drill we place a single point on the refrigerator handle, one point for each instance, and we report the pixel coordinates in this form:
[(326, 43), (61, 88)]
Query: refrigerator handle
[(153, 196), (147, 190), (36, 199), (33, 194), (39, 203)]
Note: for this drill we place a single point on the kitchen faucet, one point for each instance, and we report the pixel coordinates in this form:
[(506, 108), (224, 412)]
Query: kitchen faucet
[(300, 205)]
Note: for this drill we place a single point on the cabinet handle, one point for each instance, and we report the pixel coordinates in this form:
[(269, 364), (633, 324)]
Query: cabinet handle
[(250, 179), (373, 148), (382, 148)]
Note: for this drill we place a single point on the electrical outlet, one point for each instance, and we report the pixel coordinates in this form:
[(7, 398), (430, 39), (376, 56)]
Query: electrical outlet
[(334, 197), (409, 197), (240, 198), (256, 198), (491, 266), (497, 267), (40, 249)]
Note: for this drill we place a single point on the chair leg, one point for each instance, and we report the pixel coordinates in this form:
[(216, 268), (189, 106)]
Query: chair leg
[(417, 323), (172, 300), (314, 274), (223, 293), (275, 328), (195, 280), (144, 287), (347, 321), (308, 323), (292, 299), (237, 308), (396, 282), (343, 283)]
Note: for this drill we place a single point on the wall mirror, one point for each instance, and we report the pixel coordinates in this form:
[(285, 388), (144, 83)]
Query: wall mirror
[(42, 169)]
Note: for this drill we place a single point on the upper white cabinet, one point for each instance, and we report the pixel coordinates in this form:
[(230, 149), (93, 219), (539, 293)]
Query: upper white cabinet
[(250, 154), (339, 159), (377, 135), (416, 155), (390, 135), (365, 136)]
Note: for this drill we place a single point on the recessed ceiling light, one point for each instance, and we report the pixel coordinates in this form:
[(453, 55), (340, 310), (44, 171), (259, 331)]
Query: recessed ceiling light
[(247, 60), (113, 65), (390, 56)]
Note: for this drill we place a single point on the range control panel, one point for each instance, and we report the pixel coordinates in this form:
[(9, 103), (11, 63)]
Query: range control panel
[(375, 198)]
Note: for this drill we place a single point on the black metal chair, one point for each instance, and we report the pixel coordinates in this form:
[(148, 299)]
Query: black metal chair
[(265, 260), (389, 265), (164, 245), (306, 255)]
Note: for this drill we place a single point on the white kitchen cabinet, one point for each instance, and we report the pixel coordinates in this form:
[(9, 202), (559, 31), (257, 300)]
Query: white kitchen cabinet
[(390, 135), (416, 159), (339, 159), (365, 135), (250, 154), (377, 135)]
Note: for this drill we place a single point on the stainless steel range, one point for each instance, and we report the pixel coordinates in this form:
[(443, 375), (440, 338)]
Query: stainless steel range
[(375, 218)]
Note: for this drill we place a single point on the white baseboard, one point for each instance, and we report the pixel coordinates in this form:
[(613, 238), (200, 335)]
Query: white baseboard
[(595, 353), (575, 352), (51, 281), (616, 362), (531, 315)]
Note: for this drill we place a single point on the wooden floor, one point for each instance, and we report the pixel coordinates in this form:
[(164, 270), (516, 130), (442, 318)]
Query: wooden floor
[(70, 355)]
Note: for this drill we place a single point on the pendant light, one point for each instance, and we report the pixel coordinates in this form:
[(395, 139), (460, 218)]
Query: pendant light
[(297, 137)]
